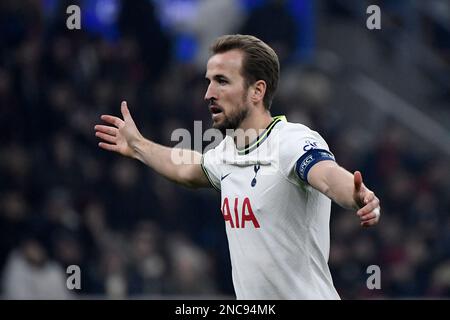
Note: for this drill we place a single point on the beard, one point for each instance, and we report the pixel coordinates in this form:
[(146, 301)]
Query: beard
[(233, 120)]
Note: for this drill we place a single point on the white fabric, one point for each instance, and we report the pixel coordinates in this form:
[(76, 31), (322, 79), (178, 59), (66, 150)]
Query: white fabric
[(287, 256)]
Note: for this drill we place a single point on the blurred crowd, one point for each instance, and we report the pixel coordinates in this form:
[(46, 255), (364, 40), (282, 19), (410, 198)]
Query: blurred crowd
[(64, 201)]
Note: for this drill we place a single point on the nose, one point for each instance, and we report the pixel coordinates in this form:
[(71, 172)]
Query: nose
[(210, 93)]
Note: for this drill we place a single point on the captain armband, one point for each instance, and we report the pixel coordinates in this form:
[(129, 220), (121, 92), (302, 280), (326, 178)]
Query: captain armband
[(310, 158)]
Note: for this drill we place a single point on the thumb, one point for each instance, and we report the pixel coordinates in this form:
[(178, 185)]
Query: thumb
[(357, 180), (125, 111)]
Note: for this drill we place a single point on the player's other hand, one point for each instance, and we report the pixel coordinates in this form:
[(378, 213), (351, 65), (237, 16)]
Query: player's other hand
[(119, 135), (368, 204)]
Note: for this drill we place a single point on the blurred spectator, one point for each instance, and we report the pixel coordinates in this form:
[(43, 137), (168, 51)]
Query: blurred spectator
[(138, 21), (149, 266), (113, 274), (30, 274), (273, 24), (189, 265), (207, 26)]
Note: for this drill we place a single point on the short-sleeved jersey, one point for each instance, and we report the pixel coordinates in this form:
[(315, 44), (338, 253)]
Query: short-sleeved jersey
[(277, 225)]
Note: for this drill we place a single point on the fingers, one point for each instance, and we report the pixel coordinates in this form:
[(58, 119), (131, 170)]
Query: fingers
[(371, 218), (112, 120), (125, 111), (369, 223), (106, 137), (369, 213), (357, 180), (108, 133), (106, 129), (109, 147), (368, 216), (371, 202), (368, 197)]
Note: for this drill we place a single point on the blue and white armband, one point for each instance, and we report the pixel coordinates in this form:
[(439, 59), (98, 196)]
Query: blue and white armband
[(310, 158)]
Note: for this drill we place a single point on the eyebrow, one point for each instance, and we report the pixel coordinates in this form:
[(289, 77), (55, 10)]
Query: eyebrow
[(219, 77)]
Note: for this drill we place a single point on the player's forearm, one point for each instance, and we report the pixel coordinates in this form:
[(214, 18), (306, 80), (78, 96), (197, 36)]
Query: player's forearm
[(335, 182), (170, 162), (341, 187)]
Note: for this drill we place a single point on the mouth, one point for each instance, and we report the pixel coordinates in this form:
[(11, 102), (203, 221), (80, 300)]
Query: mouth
[(215, 110)]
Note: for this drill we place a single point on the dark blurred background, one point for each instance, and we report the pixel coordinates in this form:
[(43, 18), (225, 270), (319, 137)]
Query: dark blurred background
[(381, 98)]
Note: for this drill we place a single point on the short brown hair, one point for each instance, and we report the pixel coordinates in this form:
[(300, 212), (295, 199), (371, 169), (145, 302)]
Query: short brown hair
[(260, 61)]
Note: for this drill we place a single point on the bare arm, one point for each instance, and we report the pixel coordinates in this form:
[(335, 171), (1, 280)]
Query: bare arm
[(345, 189), (123, 137)]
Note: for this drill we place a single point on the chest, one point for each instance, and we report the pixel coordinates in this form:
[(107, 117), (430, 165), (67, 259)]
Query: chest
[(249, 194), (250, 181)]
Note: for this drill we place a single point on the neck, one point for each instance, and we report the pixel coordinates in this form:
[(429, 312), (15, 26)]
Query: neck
[(251, 127)]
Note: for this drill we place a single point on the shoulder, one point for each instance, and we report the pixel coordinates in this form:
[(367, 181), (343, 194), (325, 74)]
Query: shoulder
[(295, 136), (297, 141)]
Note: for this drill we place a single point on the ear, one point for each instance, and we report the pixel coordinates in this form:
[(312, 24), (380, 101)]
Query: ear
[(258, 91)]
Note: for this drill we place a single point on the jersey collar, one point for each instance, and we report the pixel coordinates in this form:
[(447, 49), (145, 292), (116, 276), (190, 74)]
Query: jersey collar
[(262, 137)]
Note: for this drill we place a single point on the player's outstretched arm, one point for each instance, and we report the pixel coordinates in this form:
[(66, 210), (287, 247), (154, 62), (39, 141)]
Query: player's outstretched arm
[(122, 136), (346, 189)]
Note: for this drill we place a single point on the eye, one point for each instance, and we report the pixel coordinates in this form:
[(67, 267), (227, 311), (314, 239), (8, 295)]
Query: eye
[(222, 81)]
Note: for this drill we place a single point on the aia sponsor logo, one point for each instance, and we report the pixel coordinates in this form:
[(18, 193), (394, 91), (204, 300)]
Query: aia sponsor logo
[(242, 215)]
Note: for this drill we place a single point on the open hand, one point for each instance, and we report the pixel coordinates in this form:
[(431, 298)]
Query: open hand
[(120, 135)]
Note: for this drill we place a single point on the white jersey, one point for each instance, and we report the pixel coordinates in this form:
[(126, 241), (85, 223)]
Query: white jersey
[(277, 225)]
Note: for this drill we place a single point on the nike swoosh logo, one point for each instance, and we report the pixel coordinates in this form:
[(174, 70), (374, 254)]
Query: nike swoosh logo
[(223, 177)]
